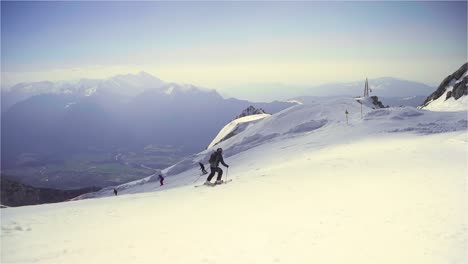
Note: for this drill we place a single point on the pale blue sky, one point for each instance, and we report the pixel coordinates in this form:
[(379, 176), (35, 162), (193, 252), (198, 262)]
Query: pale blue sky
[(227, 44)]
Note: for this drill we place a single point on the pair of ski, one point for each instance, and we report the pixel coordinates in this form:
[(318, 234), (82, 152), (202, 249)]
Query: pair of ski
[(213, 185)]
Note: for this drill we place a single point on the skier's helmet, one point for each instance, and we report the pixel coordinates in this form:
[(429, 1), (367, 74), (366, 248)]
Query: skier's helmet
[(219, 150)]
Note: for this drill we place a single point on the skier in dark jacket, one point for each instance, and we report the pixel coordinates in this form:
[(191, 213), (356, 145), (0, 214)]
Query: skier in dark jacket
[(215, 159), (161, 180), (202, 168)]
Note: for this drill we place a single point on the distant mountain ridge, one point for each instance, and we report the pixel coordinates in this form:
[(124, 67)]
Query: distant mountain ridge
[(394, 88), (381, 87), (127, 85), (123, 114)]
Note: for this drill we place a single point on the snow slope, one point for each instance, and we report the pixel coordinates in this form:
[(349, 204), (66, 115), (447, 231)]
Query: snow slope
[(440, 104), (307, 188)]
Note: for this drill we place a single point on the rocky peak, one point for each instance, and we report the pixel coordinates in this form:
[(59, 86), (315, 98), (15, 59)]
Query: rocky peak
[(454, 85), (251, 111)]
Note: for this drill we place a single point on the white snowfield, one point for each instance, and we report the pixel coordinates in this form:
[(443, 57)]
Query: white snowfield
[(443, 104), (307, 188)]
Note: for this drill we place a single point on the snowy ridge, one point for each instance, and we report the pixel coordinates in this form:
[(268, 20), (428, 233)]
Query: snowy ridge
[(236, 126), (387, 188), (294, 101)]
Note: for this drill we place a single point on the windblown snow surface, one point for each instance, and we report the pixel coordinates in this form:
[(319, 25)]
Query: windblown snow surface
[(307, 188)]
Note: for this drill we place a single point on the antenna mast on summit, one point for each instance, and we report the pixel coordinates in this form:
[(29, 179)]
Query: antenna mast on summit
[(366, 89)]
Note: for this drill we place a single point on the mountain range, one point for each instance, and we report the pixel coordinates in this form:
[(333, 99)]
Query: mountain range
[(393, 91), (117, 118)]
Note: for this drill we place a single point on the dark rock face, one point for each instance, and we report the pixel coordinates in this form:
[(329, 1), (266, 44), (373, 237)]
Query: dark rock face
[(376, 102), (370, 101), (251, 111), (459, 89), (17, 194)]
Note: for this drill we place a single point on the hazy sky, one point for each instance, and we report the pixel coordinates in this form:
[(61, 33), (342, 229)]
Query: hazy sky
[(223, 45)]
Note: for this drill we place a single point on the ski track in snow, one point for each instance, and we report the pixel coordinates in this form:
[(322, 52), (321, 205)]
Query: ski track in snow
[(307, 188)]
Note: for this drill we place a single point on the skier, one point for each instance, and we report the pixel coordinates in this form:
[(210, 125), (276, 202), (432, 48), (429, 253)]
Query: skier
[(161, 180), (215, 159), (115, 192), (202, 168)]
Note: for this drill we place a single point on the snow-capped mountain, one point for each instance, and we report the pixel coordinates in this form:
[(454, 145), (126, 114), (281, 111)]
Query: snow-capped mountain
[(451, 94), (300, 177), (127, 85)]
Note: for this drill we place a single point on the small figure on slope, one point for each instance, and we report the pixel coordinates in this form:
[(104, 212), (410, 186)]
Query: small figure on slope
[(202, 168), (161, 180), (215, 159), (115, 192)]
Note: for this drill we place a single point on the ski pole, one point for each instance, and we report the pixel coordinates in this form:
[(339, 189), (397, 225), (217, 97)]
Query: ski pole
[(198, 178)]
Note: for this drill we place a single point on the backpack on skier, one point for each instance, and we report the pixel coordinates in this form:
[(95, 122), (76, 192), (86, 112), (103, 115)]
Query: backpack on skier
[(213, 159)]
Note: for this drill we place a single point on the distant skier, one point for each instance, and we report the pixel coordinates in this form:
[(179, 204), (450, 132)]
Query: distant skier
[(215, 159), (346, 113), (161, 180), (115, 192), (202, 168)]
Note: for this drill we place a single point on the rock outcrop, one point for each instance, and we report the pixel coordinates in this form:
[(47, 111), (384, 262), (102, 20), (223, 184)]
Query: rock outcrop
[(14, 193), (458, 80)]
